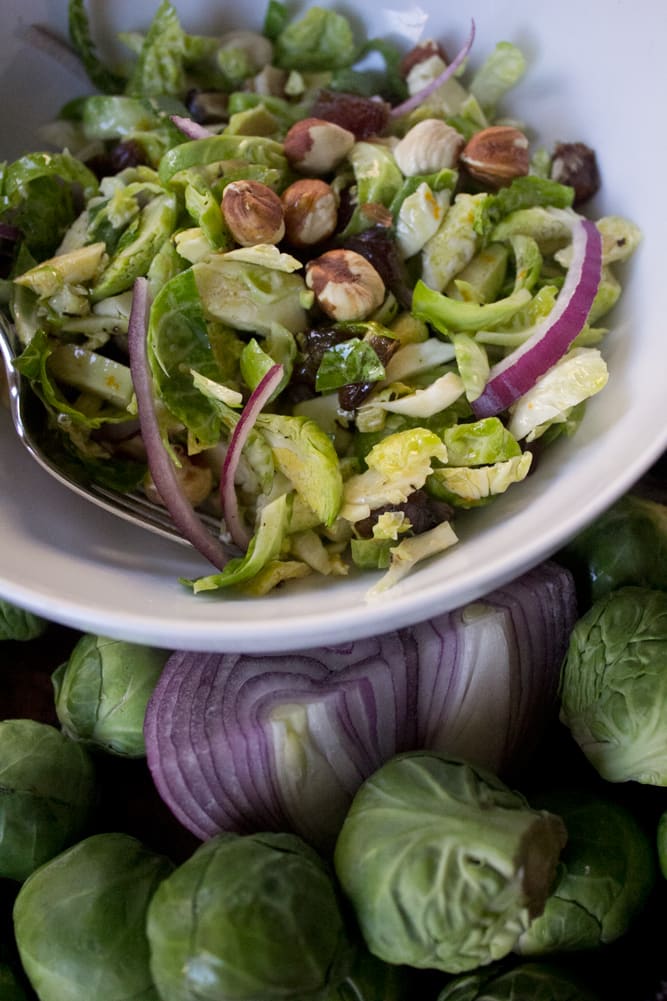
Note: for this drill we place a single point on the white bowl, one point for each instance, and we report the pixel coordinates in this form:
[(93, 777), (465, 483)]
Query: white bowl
[(596, 72)]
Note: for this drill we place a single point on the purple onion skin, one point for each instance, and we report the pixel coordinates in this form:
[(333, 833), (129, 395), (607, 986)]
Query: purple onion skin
[(432, 686)]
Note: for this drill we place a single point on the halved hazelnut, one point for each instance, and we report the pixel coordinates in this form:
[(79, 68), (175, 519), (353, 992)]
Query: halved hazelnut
[(496, 155), (253, 212), (427, 147), (346, 285), (315, 146), (310, 209)]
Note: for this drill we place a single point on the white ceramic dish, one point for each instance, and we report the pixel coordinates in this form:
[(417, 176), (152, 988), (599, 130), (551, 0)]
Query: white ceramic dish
[(595, 70)]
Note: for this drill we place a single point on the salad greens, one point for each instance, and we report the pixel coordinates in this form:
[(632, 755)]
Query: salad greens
[(370, 413)]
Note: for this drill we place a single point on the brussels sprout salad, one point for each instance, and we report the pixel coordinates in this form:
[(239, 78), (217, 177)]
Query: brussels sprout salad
[(470, 809), (317, 288)]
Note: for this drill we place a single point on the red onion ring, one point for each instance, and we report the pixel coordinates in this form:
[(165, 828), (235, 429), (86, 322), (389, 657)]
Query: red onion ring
[(549, 339), (256, 402), (416, 99), (190, 128), (160, 464)]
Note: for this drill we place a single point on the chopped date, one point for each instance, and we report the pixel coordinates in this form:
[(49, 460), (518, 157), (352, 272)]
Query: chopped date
[(364, 116), (207, 106), (422, 511), (313, 344), (419, 54), (378, 245), (121, 155), (575, 164), (353, 395)]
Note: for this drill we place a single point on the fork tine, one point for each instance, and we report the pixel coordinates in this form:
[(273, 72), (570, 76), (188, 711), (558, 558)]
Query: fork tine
[(133, 507)]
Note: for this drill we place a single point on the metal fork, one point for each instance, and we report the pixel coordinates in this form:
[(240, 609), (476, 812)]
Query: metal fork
[(134, 507)]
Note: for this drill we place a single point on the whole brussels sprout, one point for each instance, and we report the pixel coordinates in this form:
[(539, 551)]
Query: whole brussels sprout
[(48, 789), (606, 873), (625, 546), (10, 987), (102, 692), (369, 979), (19, 624), (247, 918), (11, 976), (444, 865), (527, 982), (80, 921), (613, 685), (662, 843)]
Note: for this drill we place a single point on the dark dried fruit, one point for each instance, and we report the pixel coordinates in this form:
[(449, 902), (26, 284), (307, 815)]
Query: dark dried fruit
[(126, 154), (422, 511), (313, 344), (575, 164), (364, 116), (378, 245), (207, 106), (419, 54), (353, 395)]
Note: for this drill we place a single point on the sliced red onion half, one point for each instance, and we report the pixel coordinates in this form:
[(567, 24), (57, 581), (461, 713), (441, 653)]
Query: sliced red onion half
[(549, 339), (282, 741), (256, 402), (190, 128), (160, 463), (417, 99)]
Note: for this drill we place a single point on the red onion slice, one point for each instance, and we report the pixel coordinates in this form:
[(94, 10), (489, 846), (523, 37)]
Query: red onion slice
[(549, 339), (255, 404), (282, 741), (416, 99), (190, 128), (160, 464)]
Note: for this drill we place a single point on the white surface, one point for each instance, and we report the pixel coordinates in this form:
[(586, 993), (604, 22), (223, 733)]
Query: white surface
[(597, 73)]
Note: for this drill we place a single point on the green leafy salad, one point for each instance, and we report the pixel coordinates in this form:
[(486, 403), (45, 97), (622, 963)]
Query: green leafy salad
[(318, 288)]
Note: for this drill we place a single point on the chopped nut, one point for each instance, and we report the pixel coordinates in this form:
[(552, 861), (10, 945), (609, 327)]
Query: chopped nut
[(257, 49), (270, 82), (346, 285), (428, 146), (196, 480), (253, 212), (315, 146), (310, 208), (496, 155)]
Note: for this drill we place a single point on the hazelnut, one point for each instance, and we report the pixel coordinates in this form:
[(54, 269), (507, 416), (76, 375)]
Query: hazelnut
[(310, 208), (196, 480), (496, 155), (428, 146), (253, 212), (315, 146), (346, 285)]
